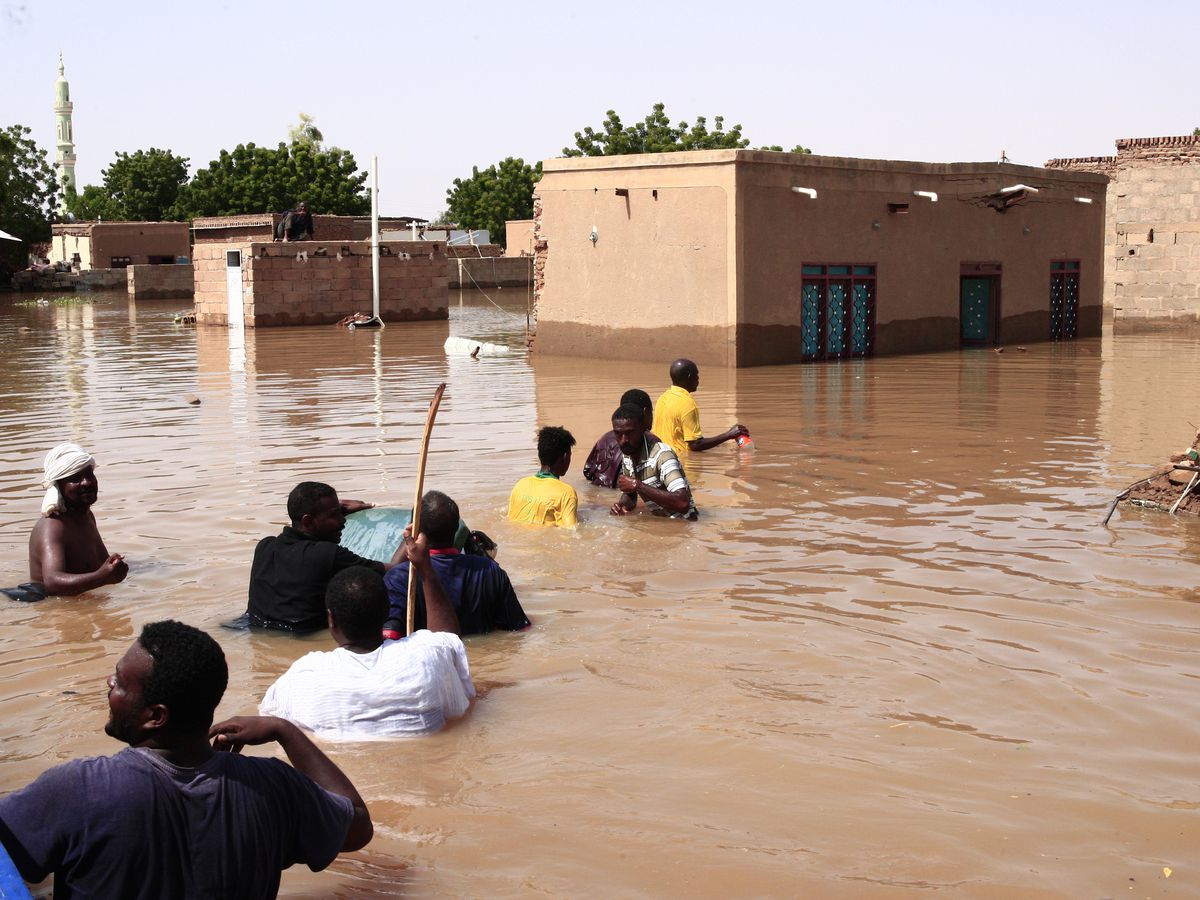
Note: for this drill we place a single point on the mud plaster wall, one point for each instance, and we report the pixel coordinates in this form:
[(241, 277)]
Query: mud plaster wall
[(658, 280), (279, 289), (917, 254), (1152, 229)]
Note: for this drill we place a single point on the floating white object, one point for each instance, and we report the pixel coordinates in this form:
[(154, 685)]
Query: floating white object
[(458, 346)]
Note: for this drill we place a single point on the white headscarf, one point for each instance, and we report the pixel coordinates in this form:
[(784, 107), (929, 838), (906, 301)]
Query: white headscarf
[(62, 462)]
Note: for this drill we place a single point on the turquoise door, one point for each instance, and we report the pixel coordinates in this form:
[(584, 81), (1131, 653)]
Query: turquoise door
[(975, 310)]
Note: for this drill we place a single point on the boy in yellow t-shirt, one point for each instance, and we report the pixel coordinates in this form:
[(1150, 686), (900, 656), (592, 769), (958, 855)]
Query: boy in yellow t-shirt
[(542, 499)]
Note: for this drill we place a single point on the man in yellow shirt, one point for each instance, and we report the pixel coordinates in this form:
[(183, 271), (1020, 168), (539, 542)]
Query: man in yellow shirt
[(542, 499), (677, 418)]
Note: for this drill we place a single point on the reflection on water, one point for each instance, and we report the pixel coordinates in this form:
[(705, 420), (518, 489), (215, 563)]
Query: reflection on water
[(895, 655)]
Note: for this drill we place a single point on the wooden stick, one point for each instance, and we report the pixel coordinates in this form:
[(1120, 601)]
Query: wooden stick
[(416, 509), (1187, 490)]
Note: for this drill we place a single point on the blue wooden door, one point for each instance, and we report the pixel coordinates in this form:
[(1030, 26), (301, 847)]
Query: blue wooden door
[(975, 310)]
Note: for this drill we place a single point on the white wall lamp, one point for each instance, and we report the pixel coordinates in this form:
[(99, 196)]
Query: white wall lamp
[(594, 236), (811, 193), (1018, 187), (1083, 199), (932, 195)]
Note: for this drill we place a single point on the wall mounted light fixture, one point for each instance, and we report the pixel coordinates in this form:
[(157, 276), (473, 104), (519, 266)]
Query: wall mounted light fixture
[(811, 193), (1083, 199), (932, 195), (594, 236), (1018, 187)]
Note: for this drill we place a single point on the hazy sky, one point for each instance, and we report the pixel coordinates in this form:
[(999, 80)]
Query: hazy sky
[(434, 88)]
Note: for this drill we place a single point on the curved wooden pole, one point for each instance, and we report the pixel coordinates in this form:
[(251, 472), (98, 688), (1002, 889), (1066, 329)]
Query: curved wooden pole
[(416, 509)]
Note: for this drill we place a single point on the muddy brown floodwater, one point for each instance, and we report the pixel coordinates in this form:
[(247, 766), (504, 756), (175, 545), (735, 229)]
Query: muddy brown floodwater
[(896, 656)]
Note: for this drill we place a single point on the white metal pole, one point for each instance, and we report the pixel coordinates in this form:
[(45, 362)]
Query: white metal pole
[(375, 237)]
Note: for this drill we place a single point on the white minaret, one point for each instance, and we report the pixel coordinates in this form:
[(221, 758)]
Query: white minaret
[(64, 158)]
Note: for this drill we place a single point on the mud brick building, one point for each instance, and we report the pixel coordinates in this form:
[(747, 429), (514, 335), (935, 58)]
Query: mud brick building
[(115, 245), (243, 276), (746, 257)]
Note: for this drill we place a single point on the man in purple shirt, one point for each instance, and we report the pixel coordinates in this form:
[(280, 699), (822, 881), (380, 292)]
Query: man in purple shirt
[(170, 816), (604, 462)]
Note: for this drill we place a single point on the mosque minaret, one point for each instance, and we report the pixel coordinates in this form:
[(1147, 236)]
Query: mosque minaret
[(64, 157)]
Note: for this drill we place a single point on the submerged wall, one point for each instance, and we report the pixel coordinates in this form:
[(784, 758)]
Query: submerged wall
[(160, 282), (282, 286)]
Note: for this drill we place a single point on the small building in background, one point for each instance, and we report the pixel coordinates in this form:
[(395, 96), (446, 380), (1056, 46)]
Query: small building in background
[(1152, 232), (117, 245), (243, 277), (518, 237), (745, 257)]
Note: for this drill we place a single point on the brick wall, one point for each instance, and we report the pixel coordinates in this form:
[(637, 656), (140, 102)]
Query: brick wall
[(1152, 228), (473, 251), (160, 282), (541, 249), (281, 289), (503, 271), (240, 229), (58, 282)]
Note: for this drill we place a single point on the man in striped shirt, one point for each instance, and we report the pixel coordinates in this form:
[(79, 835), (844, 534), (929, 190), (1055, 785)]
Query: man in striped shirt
[(649, 471)]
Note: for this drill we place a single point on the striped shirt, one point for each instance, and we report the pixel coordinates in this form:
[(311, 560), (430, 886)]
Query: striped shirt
[(660, 469)]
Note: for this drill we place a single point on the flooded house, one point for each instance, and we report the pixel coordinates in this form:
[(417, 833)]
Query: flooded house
[(118, 245), (245, 277), (747, 258)]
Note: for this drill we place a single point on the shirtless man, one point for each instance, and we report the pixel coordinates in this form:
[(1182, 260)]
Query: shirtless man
[(66, 553)]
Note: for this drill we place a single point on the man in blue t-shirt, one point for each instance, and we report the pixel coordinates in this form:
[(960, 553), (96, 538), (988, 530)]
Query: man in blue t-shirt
[(477, 588), (169, 816)]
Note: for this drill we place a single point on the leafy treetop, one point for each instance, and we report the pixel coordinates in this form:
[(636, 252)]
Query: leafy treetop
[(654, 134), (491, 197), (138, 187), (253, 179)]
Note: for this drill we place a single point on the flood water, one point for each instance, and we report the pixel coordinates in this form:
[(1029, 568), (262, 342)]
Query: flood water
[(896, 656)]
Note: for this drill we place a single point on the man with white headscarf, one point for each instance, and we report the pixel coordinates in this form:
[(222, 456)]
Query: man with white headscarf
[(66, 553)]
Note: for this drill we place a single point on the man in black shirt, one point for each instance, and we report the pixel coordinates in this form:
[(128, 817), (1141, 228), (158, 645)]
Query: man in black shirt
[(291, 571), (296, 225)]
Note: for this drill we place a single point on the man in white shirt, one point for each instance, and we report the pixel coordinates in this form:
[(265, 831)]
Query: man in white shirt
[(369, 687)]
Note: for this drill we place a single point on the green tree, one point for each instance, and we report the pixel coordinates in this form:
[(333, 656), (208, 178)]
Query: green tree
[(94, 204), (489, 198), (138, 187), (1196, 132), (306, 132), (654, 134), (253, 179), (777, 148), (28, 195)]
